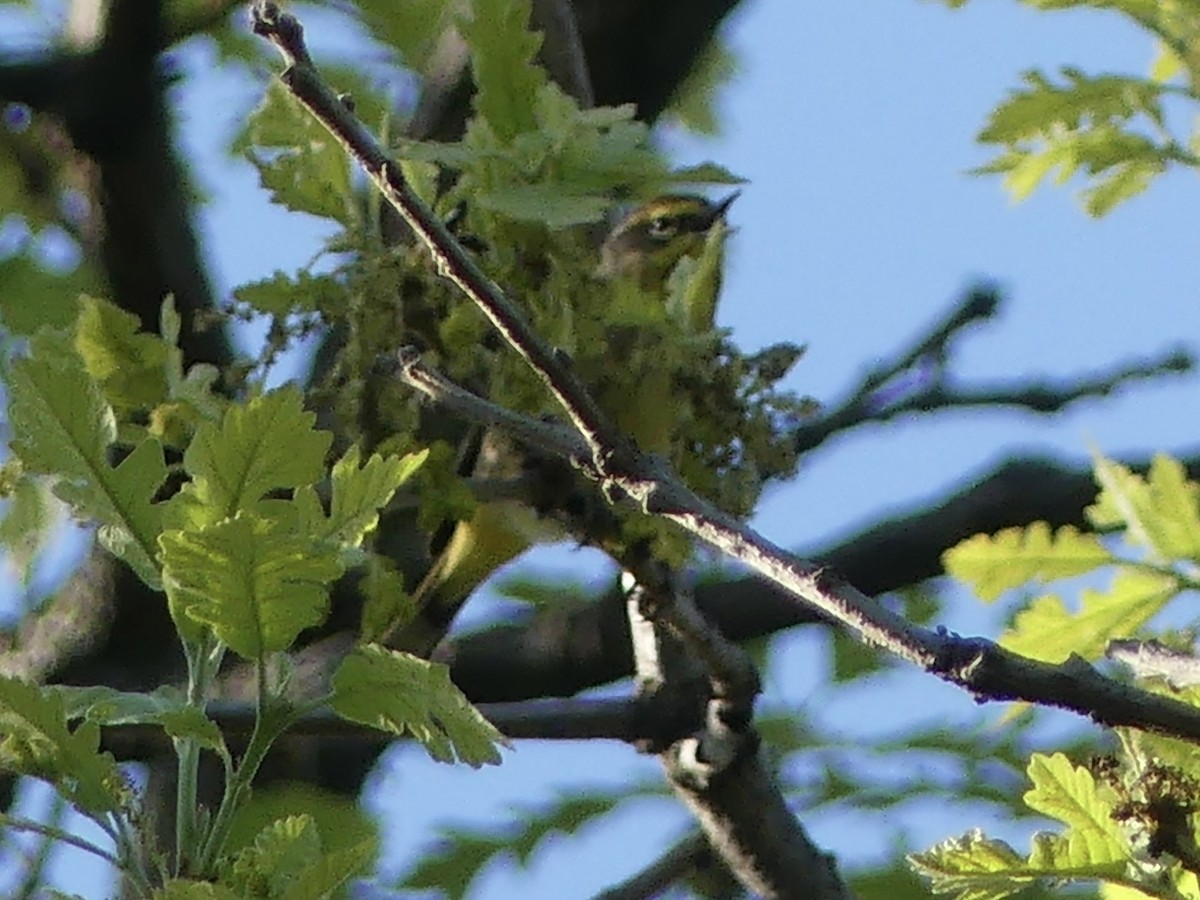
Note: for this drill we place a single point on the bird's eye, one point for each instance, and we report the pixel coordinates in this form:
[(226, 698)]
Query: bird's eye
[(662, 227)]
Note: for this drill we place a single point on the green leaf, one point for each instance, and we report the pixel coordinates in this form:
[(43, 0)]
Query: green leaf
[(1046, 630), (1091, 124), (693, 104), (387, 604), (412, 28), (359, 493), (695, 284), (1122, 182), (460, 855), (548, 203), (503, 52), (62, 427), (165, 706), (299, 162), (35, 741), (1093, 841), (342, 823), (974, 867), (28, 522), (455, 863), (266, 444), (181, 889), (1166, 65), (284, 295), (278, 859), (1160, 512), (127, 363), (402, 694), (256, 585), (704, 173), (193, 399), (332, 870), (33, 298), (1042, 107), (993, 564)]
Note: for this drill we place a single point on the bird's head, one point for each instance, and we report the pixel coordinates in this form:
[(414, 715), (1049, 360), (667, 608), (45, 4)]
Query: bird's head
[(647, 243)]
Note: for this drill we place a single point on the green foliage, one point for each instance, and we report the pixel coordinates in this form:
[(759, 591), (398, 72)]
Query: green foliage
[(692, 105), (34, 297), (1160, 513), (166, 706), (63, 427), (129, 365), (29, 516), (258, 527), (299, 163), (1095, 844), (35, 741), (254, 584), (403, 694), (461, 855), (1156, 516), (1115, 816), (995, 564), (1113, 129), (287, 860)]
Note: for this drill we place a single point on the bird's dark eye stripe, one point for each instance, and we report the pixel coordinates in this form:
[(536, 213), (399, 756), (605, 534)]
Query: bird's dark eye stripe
[(665, 226)]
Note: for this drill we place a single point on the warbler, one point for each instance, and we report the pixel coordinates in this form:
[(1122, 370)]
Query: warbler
[(639, 254)]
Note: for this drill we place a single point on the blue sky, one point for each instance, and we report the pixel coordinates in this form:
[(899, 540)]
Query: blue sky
[(855, 124)]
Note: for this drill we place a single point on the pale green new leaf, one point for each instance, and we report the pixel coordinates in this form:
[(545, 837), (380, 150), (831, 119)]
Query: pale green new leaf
[(551, 204), (993, 564), (412, 27), (1089, 123), (285, 295), (30, 514), (277, 860), (126, 362), (695, 285), (402, 694), (267, 444), (255, 584), (193, 398), (703, 173), (1043, 107), (333, 869), (1166, 65), (1120, 183), (1046, 630), (33, 297), (503, 52), (62, 427), (1160, 512), (359, 493), (35, 741), (288, 862), (974, 867), (693, 104), (165, 706), (299, 162), (1093, 841)]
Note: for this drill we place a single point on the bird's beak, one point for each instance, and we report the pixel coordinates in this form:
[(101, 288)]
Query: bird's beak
[(718, 211)]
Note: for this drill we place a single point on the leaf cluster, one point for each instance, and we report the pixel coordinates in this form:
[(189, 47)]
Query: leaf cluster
[(243, 535), (1128, 821), (1115, 130)]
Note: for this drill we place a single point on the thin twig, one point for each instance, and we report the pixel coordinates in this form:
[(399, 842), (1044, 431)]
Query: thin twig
[(882, 394)]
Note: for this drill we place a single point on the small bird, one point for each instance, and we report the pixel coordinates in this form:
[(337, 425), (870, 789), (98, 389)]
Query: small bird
[(639, 253)]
